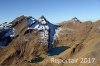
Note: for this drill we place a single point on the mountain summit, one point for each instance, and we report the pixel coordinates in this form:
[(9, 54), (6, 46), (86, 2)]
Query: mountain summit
[(42, 17), (75, 19)]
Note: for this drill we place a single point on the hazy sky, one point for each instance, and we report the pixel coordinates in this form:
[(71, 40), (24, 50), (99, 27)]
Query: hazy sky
[(54, 10)]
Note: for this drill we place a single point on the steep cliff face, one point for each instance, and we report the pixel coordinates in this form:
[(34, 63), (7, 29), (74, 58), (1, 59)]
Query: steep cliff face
[(75, 40)]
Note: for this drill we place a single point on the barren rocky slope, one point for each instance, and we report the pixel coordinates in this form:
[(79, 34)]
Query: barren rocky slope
[(81, 40)]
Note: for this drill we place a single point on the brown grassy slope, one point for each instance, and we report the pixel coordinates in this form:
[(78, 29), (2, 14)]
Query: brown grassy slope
[(84, 42), (74, 32)]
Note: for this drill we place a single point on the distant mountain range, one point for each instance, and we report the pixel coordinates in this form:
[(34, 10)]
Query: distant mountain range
[(74, 40)]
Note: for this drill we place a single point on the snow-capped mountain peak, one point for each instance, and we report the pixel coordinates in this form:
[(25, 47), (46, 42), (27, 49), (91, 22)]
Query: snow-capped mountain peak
[(43, 20)]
